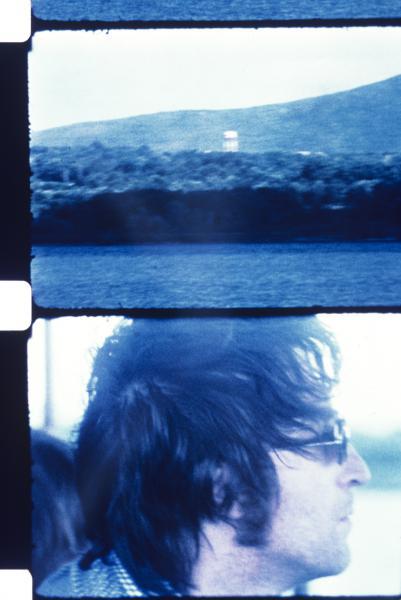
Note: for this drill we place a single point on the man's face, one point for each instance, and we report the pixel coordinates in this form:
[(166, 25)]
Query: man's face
[(308, 535)]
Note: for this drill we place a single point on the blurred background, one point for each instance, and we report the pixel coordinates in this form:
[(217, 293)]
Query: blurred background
[(60, 357)]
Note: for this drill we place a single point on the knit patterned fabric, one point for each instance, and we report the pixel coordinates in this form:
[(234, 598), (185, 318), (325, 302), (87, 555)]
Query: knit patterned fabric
[(102, 580)]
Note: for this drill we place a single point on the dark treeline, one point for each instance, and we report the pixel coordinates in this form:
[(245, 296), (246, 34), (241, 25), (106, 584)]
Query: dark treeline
[(242, 215), (94, 194)]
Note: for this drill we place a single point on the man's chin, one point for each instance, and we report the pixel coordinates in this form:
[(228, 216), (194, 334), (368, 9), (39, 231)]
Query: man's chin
[(337, 564)]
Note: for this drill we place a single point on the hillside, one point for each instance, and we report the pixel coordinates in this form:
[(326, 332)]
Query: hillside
[(364, 119)]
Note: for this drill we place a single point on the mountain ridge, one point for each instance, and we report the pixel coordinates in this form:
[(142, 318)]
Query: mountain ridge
[(363, 119)]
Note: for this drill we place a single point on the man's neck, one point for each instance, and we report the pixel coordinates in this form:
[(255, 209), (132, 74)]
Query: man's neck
[(225, 568)]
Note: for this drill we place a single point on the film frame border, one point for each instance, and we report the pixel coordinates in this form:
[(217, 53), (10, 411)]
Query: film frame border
[(15, 261)]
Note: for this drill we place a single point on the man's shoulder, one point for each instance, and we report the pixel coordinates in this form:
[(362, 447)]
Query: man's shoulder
[(103, 579)]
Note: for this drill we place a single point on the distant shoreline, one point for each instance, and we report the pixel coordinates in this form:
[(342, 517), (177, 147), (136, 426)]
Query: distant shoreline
[(227, 242)]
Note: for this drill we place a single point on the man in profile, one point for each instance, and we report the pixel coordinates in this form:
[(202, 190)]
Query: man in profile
[(211, 462)]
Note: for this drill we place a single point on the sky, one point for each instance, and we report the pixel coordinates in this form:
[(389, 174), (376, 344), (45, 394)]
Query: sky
[(369, 393), (78, 76)]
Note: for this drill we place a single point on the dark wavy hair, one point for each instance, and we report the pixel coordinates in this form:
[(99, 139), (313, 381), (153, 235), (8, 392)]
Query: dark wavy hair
[(178, 406), (57, 519)]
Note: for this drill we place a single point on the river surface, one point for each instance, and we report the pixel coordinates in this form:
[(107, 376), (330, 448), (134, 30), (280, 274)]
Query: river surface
[(218, 275), (213, 10)]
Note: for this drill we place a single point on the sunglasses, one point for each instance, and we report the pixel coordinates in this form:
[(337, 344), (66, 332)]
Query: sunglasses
[(334, 441)]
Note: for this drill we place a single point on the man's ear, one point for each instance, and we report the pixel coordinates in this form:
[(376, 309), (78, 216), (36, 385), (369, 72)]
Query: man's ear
[(220, 485), (224, 492)]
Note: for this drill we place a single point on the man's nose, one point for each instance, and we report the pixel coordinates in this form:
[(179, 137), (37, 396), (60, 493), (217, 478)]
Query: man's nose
[(356, 470)]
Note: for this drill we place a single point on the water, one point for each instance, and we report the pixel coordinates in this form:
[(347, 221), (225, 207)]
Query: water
[(214, 9), (218, 276)]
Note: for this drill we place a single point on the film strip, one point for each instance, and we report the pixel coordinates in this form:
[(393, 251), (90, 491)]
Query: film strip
[(100, 207)]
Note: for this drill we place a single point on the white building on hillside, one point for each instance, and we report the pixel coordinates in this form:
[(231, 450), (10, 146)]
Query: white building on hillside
[(231, 141)]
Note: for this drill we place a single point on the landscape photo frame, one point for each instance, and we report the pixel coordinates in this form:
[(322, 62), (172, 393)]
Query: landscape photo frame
[(214, 159)]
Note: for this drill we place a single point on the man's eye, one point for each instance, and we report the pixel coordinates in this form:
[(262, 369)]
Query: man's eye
[(325, 453), (330, 453)]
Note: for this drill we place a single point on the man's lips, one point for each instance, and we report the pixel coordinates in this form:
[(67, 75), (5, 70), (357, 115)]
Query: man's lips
[(347, 509), (347, 515), (346, 520)]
